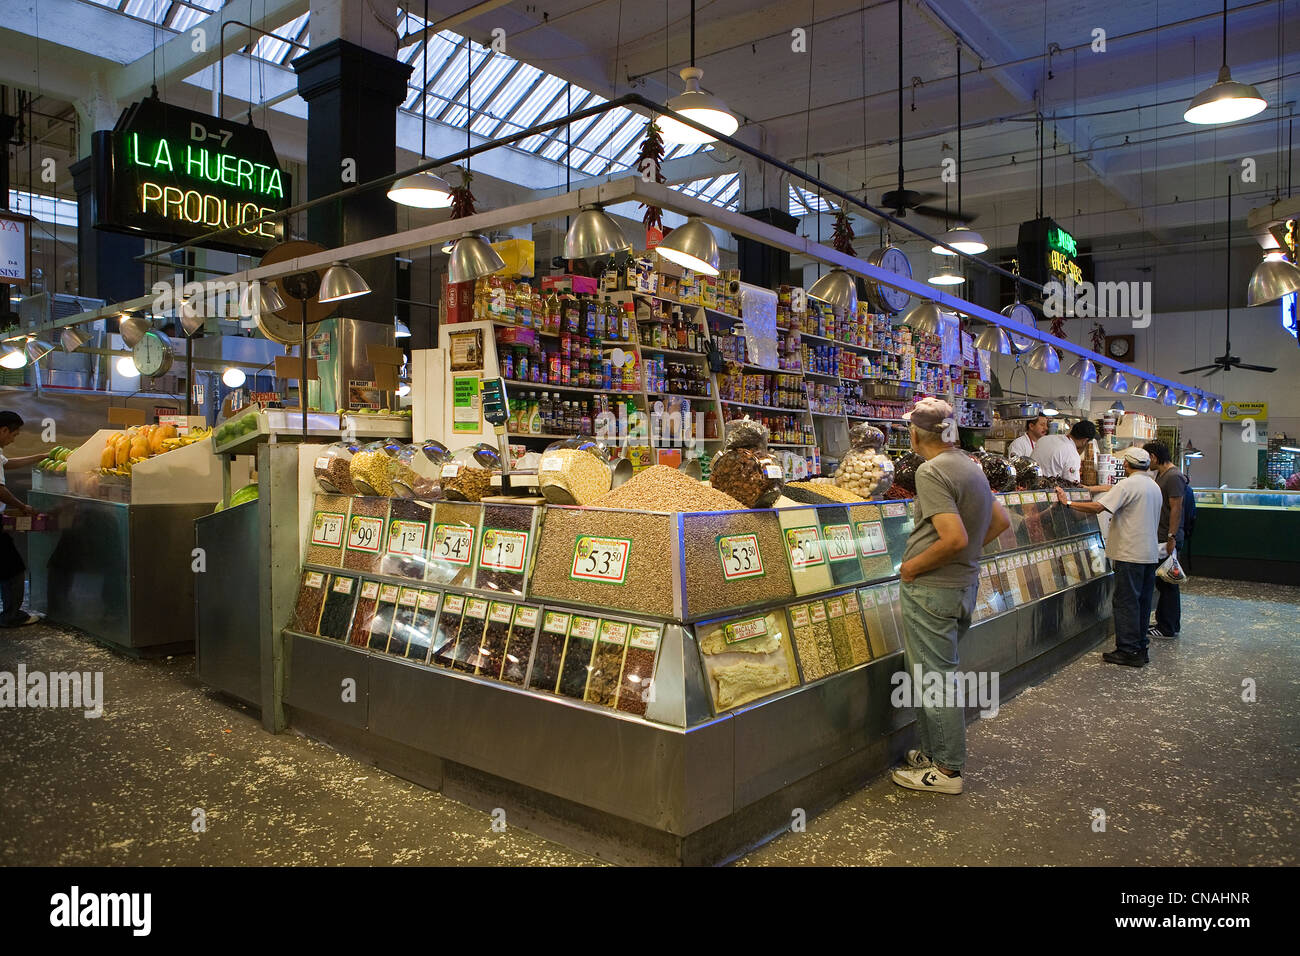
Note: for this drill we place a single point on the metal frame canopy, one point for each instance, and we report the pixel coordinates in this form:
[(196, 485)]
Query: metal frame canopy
[(633, 189)]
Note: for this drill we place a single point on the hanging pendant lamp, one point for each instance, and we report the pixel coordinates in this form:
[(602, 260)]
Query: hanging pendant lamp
[(1083, 369), (594, 233), (341, 282), (836, 288), (73, 339), (994, 338), (924, 318), (12, 358), (260, 298), (1044, 358), (1113, 380), (1217, 407), (692, 246), (132, 329), (472, 257), (944, 272), (963, 239), (423, 190), (705, 108), (1273, 278), (1203, 406), (37, 350), (1147, 390), (1227, 100)]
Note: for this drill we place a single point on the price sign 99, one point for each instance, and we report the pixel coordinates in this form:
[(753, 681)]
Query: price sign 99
[(600, 559), (365, 534)]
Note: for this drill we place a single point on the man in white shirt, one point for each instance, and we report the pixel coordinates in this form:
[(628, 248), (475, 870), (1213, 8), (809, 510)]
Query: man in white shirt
[(1035, 429), (1059, 455), (1134, 504)]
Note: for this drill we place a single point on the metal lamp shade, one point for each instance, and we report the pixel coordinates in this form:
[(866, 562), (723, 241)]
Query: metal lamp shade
[(1119, 383), (924, 317), (691, 246), (704, 108), (259, 298), (1118, 406), (73, 339), (37, 350), (472, 257), (1044, 358), (1217, 407), (1225, 102), (1083, 369), (963, 239), (12, 358), (421, 191), (838, 289), (994, 338), (1147, 390), (341, 282), (132, 329), (1272, 279), (594, 233), (1167, 397), (1204, 406)]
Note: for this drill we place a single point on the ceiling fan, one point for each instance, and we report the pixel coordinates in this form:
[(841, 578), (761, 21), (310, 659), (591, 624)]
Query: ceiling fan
[(902, 199), (1227, 361)]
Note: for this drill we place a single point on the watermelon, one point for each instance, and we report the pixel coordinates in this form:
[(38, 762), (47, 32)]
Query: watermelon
[(244, 495)]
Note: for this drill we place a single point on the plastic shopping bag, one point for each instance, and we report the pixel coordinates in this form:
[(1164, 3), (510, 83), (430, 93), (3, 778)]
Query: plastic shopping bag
[(1170, 570)]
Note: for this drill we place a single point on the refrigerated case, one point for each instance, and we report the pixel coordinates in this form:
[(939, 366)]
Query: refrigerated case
[(1246, 534), (650, 686)]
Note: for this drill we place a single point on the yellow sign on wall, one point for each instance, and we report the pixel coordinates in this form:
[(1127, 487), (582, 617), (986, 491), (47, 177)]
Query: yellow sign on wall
[(1239, 411)]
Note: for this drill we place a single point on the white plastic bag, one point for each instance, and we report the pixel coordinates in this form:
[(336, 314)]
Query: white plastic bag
[(1170, 570)]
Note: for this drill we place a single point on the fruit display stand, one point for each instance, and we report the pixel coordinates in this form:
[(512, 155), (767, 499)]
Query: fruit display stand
[(120, 564), (649, 686)]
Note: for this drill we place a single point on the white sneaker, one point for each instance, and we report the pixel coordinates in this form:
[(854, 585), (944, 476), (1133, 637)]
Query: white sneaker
[(917, 760), (928, 779)]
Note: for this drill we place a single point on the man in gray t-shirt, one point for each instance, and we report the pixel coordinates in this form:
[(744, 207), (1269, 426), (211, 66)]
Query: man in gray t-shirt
[(955, 516)]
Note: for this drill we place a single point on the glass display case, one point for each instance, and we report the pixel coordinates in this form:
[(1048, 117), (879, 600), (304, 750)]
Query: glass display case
[(1245, 534), (1247, 498)]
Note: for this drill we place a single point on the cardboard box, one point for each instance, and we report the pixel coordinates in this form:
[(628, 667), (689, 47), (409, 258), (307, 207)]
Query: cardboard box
[(457, 303), (584, 285)]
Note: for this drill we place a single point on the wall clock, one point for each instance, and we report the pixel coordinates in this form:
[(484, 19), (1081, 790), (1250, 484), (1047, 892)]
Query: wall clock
[(1120, 347)]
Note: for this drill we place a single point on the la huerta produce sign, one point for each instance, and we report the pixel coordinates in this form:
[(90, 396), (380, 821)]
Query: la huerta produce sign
[(173, 174)]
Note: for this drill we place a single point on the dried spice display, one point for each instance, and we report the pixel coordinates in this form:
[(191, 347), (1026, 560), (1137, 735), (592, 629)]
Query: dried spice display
[(840, 544), (576, 669), (545, 672), (465, 482), (853, 629), (364, 544), (465, 657), (381, 625), (399, 641), (646, 565), (495, 637), (660, 488), (328, 532), (1033, 512), (572, 476), (406, 550), (637, 683), (873, 547), (607, 663), (805, 642), (453, 543), (733, 560), (367, 598), (519, 648), (370, 467), (802, 547), (421, 634), (332, 468), (336, 616), (846, 655), (737, 676), (507, 537), (311, 598), (448, 629)]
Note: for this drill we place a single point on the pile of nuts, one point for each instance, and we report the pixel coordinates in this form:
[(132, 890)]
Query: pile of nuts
[(369, 471), (865, 470), (744, 469), (467, 484), (571, 476)]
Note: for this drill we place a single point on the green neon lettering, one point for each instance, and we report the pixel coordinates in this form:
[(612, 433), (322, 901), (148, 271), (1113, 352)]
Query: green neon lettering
[(273, 186), (162, 156)]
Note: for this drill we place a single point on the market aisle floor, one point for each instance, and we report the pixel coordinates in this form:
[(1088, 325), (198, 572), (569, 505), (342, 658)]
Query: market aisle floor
[(1186, 771)]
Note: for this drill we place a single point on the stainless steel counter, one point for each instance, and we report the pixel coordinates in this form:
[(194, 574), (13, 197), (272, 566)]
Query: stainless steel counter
[(121, 573)]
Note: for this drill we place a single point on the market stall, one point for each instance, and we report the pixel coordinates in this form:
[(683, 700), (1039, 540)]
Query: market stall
[(119, 562), (1246, 535)]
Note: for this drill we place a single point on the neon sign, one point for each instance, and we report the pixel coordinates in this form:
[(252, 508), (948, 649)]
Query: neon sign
[(1047, 252), (173, 174)]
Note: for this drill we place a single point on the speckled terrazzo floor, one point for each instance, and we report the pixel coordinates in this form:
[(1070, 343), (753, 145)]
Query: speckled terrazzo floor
[(1186, 772)]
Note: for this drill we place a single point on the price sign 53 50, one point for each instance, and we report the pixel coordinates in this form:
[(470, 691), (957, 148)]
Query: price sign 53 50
[(740, 556), (600, 559)]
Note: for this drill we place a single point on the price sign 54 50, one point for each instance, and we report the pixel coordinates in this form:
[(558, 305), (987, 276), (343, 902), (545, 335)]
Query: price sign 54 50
[(600, 559)]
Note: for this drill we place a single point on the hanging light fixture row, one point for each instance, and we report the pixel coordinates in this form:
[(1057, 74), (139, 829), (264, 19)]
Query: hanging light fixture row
[(1227, 100)]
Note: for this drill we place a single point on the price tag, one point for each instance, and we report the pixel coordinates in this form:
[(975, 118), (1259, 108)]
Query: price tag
[(1040, 497), (738, 631), (313, 579), (868, 599), (344, 585), (365, 534), (428, 600), (839, 542), (370, 590), (322, 463), (871, 538), (552, 463), (894, 593), (503, 550), (600, 559), (894, 509), (327, 529), (818, 610), (501, 613), (409, 597), (406, 537), (645, 638), (613, 632), (388, 593), (584, 628), (851, 603), (799, 615), (455, 604), (835, 607), (526, 617), (773, 471), (450, 471), (740, 556), (453, 543), (804, 547), (1013, 499), (476, 608), (556, 623)]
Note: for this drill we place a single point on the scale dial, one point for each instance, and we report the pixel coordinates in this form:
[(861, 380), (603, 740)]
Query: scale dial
[(153, 355), (892, 259), (1019, 312)]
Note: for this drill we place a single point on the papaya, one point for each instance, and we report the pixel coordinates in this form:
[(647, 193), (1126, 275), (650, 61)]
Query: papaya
[(122, 453), (139, 448), (109, 457)]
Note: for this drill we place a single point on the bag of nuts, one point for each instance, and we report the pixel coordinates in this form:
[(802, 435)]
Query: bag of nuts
[(574, 471), (333, 470), (468, 477), (865, 470), (745, 469), (372, 466)]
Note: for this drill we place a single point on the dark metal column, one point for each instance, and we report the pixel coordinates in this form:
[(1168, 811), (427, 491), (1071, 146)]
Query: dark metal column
[(106, 261)]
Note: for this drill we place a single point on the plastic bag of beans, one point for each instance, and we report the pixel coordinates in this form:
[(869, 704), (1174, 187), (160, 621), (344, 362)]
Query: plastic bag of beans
[(745, 469), (865, 470)]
